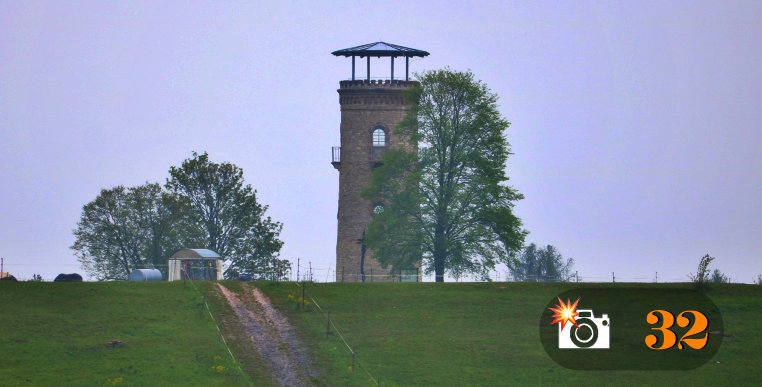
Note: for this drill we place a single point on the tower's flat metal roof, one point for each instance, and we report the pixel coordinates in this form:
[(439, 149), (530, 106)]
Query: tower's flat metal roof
[(380, 49)]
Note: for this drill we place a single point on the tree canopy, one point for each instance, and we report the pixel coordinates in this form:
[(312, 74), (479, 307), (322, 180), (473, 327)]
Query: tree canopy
[(447, 201), (233, 221), (203, 205)]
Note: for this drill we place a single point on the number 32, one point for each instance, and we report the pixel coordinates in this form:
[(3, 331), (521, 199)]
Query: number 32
[(699, 325)]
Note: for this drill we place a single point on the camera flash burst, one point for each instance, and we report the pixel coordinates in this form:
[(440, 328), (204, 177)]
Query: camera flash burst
[(565, 312)]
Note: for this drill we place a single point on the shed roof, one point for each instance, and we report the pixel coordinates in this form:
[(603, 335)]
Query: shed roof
[(380, 49), (195, 253)]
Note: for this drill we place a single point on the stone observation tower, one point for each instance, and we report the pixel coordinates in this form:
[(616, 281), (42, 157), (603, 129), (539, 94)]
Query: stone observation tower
[(371, 108)]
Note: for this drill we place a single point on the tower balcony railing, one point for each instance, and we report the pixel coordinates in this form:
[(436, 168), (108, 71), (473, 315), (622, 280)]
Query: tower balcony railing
[(396, 78), (375, 155), (336, 156), (377, 82)]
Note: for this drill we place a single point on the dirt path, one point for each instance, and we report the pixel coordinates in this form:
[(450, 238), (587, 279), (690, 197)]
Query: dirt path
[(272, 335)]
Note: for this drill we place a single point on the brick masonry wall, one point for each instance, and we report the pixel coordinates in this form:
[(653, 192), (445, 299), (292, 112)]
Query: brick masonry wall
[(364, 106)]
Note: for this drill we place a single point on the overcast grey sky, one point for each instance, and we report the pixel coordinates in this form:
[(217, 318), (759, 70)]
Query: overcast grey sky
[(635, 125)]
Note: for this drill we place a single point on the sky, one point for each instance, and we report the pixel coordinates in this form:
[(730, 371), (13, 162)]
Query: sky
[(635, 124)]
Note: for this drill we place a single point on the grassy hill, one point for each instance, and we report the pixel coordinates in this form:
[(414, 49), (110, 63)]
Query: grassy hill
[(487, 334), (403, 334), (59, 334)]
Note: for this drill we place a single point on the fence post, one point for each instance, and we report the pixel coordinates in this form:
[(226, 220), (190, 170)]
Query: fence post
[(576, 274), (371, 274), (298, 263), (342, 274), (657, 277), (613, 278)]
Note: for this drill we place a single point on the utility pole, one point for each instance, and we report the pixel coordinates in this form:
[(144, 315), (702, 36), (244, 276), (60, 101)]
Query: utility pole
[(361, 241)]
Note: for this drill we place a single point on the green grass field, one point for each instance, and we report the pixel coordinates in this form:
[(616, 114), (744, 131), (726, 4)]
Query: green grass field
[(58, 334), (404, 334), (487, 334)]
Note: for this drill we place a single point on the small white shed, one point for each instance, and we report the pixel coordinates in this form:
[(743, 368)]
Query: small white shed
[(195, 264)]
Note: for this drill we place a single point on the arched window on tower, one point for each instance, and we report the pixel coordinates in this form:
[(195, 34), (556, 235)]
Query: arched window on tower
[(379, 137), (379, 145)]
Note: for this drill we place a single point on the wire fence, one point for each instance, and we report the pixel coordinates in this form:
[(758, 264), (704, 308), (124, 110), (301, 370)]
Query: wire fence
[(305, 271), (332, 324), (329, 274)]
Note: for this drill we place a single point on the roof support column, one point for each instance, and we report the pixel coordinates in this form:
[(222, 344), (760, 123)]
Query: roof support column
[(368, 68), (407, 64), (392, 69), (353, 67)]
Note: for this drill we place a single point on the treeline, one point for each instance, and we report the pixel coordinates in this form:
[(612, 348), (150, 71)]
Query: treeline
[(202, 205), (544, 264)]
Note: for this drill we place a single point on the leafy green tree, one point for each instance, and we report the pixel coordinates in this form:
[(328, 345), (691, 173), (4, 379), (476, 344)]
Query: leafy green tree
[(127, 228), (232, 220), (446, 198), (541, 265)]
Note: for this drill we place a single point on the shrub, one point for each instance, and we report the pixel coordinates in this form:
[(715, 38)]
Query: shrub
[(718, 278)]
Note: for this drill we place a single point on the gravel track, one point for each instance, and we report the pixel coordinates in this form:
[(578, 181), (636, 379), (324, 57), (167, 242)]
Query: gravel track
[(272, 336)]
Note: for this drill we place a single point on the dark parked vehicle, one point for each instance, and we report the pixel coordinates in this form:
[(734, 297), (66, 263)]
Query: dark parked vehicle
[(74, 277)]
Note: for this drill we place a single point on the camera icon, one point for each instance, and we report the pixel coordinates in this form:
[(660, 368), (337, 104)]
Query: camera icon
[(590, 332)]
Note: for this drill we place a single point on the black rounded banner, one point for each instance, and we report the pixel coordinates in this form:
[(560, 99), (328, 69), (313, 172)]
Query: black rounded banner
[(631, 329)]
